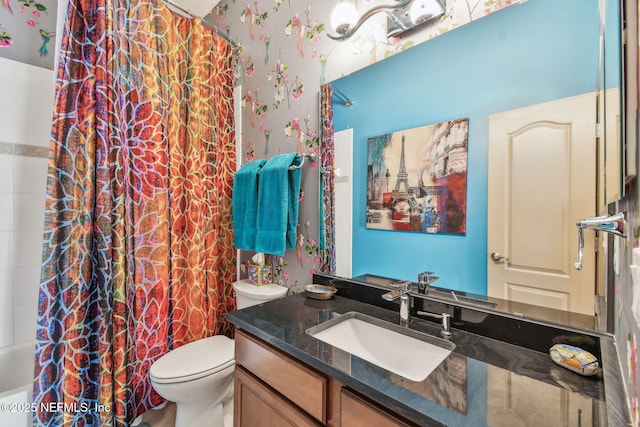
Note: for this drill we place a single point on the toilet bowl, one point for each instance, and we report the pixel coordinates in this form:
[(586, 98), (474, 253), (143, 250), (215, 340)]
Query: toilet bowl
[(198, 376)]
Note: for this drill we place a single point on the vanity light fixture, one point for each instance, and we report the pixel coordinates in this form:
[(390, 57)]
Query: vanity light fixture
[(424, 10), (403, 15)]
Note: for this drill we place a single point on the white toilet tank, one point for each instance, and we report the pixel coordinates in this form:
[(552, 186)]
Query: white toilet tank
[(248, 294)]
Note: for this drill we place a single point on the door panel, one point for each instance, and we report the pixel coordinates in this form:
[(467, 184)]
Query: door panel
[(542, 179)]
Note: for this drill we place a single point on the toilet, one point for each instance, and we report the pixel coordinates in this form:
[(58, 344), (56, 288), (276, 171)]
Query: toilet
[(198, 376), (248, 294)]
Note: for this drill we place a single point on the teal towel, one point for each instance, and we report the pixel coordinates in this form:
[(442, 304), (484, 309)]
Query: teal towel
[(278, 194), (245, 204)]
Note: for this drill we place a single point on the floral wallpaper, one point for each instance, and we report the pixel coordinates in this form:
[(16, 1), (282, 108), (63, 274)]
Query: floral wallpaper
[(27, 28), (284, 58), (627, 298)]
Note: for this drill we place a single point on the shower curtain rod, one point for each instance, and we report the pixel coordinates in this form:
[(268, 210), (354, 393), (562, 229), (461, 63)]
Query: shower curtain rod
[(184, 11)]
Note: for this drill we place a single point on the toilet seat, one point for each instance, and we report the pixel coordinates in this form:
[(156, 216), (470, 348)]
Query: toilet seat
[(194, 360)]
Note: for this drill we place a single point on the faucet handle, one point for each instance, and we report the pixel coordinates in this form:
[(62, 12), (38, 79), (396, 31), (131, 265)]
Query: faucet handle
[(404, 285), (425, 280), (425, 276)]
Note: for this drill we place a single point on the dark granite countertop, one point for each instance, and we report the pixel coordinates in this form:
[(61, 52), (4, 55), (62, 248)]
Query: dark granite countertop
[(483, 382)]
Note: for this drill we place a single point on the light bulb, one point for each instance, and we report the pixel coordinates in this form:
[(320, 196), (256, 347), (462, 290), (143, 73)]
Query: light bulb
[(423, 10), (344, 17)]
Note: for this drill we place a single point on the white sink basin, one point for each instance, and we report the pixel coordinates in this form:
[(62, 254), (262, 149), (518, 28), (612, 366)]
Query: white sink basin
[(406, 352)]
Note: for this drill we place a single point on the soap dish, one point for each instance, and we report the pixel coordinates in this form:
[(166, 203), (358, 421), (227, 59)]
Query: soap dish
[(320, 291)]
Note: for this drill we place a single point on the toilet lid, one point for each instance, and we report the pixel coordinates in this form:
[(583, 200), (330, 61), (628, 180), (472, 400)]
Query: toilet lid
[(267, 292), (194, 360)]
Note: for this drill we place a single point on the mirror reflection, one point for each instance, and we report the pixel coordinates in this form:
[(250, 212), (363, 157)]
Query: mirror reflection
[(534, 83)]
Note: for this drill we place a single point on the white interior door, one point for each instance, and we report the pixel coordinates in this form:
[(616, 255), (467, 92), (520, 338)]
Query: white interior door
[(343, 194), (542, 179)]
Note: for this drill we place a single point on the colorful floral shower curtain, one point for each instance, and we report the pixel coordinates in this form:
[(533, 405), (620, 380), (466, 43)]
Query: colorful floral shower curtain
[(138, 253), (327, 181)]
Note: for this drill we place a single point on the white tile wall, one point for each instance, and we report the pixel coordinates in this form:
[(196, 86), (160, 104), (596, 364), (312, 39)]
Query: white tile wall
[(28, 213), (29, 174), (7, 88), (30, 90), (6, 171), (6, 290), (6, 249), (22, 195), (25, 317), (34, 119), (25, 285), (6, 326), (6, 245), (28, 248), (6, 210)]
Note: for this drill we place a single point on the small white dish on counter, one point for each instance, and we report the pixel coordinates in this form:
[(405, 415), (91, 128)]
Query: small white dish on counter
[(320, 291)]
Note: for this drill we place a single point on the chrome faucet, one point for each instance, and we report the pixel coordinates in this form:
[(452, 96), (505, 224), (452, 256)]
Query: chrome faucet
[(614, 224), (446, 322), (402, 292), (425, 279)]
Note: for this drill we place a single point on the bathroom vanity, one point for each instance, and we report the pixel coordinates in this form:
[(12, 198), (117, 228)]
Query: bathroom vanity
[(285, 376), (304, 396)]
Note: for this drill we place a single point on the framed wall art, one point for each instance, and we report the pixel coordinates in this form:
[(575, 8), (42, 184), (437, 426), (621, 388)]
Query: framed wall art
[(417, 179)]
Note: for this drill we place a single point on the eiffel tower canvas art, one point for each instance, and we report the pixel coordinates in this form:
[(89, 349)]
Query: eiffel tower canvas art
[(417, 179)]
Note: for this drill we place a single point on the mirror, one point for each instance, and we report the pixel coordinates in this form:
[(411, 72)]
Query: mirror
[(535, 53)]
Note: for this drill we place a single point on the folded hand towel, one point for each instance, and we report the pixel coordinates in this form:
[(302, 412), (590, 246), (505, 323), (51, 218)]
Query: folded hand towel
[(245, 204), (278, 193)]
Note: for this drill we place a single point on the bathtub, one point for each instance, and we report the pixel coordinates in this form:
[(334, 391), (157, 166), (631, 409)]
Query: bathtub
[(16, 384)]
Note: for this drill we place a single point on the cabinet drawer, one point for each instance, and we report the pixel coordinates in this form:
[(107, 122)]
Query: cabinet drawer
[(298, 383), (257, 405), (357, 412)]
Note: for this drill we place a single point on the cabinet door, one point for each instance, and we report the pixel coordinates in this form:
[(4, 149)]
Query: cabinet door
[(283, 374), (258, 405), (356, 412)]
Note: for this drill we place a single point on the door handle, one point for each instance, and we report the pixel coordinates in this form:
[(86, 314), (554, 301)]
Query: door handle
[(496, 257)]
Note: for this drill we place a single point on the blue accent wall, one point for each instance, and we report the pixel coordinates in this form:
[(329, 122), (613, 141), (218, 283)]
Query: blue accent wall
[(527, 54)]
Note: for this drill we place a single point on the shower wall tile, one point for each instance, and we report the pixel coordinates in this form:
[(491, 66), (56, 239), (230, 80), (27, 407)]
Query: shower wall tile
[(6, 287), (34, 83), (6, 252), (28, 211), (26, 281), (8, 91), (6, 171), (28, 249), (29, 174), (25, 133), (24, 321), (30, 90), (6, 326), (6, 211)]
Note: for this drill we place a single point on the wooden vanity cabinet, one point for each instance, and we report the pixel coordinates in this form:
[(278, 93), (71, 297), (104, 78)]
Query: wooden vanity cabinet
[(304, 387), (356, 411), (274, 389), (256, 404)]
